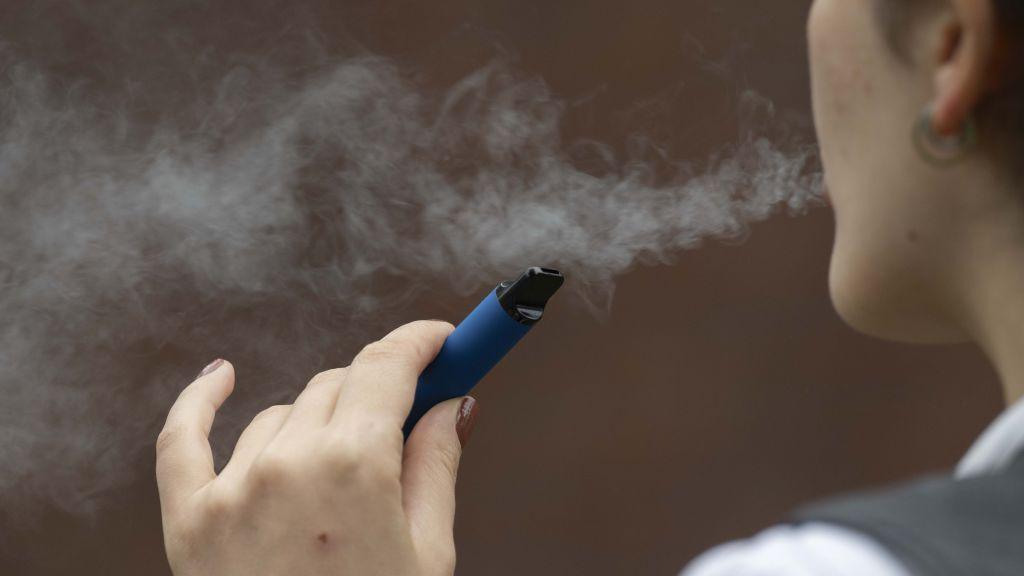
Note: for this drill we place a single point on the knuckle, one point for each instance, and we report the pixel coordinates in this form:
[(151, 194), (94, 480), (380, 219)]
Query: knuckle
[(168, 437), (433, 325), (357, 463), (219, 505), (375, 435), (422, 337), (345, 457), (328, 377), (277, 411), (270, 470), (382, 351)]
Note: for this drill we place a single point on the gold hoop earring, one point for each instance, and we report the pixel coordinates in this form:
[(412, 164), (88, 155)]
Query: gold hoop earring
[(940, 150)]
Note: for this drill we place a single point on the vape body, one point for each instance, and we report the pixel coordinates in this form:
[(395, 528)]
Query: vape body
[(483, 338)]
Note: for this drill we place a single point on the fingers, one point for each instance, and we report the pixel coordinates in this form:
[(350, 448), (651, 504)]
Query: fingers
[(314, 406), (184, 461), (429, 471), (381, 382), (263, 428)]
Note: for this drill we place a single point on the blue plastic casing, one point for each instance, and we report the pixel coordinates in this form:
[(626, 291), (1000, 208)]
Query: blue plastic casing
[(475, 347)]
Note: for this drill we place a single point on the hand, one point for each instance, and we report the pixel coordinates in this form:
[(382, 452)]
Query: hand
[(324, 486)]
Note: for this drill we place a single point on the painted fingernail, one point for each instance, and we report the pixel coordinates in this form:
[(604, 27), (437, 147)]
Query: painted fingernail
[(211, 367), (466, 419)]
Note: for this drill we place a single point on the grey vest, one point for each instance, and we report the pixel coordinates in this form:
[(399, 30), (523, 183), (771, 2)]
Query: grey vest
[(939, 526)]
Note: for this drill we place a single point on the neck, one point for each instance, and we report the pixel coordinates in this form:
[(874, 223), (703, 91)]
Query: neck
[(994, 290)]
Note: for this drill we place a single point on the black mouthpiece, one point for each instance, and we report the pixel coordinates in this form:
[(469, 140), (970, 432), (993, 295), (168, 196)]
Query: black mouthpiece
[(524, 299)]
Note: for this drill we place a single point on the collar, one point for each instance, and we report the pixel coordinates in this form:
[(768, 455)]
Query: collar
[(997, 447)]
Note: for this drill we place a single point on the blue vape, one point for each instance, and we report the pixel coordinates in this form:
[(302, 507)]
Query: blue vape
[(481, 340)]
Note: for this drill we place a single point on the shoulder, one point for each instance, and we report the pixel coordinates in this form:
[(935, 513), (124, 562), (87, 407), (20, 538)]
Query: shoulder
[(810, 549), (939, 525)]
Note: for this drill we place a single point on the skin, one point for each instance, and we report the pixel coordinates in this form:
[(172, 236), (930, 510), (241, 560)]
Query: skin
[(321, 487), (922, 254)]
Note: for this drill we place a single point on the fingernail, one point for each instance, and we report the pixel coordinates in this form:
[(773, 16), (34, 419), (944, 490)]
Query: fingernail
[(466, 420), (211, 367)]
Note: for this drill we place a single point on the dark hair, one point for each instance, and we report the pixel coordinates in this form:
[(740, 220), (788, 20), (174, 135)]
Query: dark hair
[(1004, 110)]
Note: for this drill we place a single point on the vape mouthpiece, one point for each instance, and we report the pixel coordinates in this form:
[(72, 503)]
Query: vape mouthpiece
[(484, 338), (524, 299)]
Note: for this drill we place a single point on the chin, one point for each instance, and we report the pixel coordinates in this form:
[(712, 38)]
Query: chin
[(875, 304)]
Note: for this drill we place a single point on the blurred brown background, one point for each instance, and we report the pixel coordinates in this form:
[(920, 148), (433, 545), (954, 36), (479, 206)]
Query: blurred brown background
[(718, 393)]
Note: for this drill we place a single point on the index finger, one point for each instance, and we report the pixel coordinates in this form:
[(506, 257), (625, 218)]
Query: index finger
[(184, 460), (381, 383)]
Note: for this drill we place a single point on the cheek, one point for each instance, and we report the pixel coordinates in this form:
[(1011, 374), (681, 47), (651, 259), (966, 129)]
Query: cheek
[(886, 226), (890, 291), (840, 87), (845, 110), (869, 286)]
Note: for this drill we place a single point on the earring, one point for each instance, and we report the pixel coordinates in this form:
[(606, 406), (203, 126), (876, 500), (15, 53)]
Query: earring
[(941, 150)]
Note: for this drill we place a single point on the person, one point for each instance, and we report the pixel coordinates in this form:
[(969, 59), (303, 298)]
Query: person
[(918, 109)]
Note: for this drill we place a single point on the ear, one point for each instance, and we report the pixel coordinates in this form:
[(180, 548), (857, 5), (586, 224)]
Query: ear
[(967, 64)]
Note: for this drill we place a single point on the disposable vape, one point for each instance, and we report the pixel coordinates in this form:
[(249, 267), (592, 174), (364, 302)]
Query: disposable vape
[(481, 340)]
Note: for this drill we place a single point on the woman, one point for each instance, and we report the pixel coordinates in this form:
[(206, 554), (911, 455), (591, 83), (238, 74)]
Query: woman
[(920, 123)]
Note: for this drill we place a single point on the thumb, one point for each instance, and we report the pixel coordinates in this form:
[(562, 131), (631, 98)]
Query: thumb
[(430, 466)]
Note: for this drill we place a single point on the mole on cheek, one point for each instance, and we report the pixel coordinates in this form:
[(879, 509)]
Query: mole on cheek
[(913, 237), (322, 538)]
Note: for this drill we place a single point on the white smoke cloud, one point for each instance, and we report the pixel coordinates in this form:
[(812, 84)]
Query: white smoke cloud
[(275, 212)]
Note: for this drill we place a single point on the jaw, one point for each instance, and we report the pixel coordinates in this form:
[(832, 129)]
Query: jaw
[(884, 294)]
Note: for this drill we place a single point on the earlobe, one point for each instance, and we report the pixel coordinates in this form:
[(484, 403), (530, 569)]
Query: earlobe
[(940, 150), (964, 73)]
